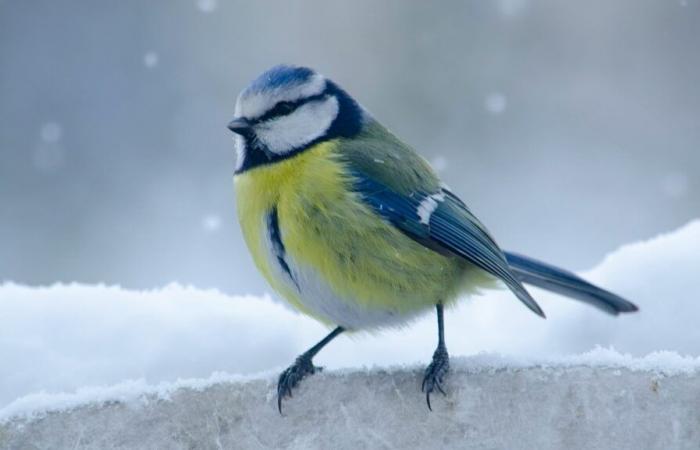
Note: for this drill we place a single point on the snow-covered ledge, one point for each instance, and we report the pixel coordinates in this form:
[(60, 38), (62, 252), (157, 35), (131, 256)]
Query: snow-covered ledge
[(601, 400), (66, 338)]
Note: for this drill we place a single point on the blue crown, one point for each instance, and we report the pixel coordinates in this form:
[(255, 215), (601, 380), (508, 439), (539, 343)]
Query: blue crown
[(279, 77)]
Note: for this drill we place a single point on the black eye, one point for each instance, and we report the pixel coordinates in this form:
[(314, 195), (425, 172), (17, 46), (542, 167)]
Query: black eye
[(282, 109)]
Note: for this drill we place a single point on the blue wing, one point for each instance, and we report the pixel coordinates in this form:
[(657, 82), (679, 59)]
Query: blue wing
[(442, 222)]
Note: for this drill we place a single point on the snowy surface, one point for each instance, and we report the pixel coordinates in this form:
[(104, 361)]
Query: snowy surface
[(490, 405), (657, 364), (59, 342)]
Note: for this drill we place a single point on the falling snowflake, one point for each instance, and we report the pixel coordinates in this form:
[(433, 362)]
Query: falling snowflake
[(51, 132), (49, 155), (495, 103), (439, 163), (150, 59), (211, 222), (512, 8), (207, 6)]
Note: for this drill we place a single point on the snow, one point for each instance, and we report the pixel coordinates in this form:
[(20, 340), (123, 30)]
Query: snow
[(207, 6), (51, 132), (512, 8), (129, 391), (211, 222), (150, 59), (514, 408), (49, 155), (139, 391), (495, 103), (61, 343), (439, 163)]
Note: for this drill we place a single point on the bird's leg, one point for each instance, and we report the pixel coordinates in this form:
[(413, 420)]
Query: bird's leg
[(302, 367), (436, 371)]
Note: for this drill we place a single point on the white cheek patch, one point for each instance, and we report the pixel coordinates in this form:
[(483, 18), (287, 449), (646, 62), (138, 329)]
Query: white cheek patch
[(306, 123), (252, 106)]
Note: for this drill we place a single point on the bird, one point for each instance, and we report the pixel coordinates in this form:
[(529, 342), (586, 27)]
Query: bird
[(351, 226)]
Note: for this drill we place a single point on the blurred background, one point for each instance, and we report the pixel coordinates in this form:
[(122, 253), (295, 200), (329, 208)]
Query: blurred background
[(570, 128)]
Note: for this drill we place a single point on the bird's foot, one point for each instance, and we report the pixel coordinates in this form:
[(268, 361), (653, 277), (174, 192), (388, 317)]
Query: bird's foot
[(292, 376), (435, 373)]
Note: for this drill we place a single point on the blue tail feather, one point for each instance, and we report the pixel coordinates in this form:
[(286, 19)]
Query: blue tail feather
[(546, 276)]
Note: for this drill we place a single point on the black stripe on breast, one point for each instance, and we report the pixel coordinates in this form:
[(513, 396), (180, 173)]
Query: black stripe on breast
[(273, 229)]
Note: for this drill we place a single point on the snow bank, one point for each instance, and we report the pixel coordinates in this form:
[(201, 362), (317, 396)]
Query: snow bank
[(65, 337)]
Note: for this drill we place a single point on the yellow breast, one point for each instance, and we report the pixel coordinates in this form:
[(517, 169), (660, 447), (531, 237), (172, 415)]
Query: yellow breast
[(351, 264), (297, 186)]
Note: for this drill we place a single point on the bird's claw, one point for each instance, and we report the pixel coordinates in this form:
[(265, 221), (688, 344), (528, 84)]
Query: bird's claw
[(435, 373), (289, 379)]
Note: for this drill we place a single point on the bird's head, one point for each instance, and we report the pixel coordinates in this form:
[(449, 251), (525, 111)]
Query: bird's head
[(288, 109)]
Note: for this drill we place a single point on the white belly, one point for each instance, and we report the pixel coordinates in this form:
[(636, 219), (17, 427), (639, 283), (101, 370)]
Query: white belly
[(318, 296), (322, 301)]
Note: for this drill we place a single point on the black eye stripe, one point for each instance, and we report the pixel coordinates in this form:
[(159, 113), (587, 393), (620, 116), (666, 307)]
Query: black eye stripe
[(284, 108)]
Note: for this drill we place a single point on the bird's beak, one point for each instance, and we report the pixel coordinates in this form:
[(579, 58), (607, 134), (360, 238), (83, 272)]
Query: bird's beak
[(239, 126)]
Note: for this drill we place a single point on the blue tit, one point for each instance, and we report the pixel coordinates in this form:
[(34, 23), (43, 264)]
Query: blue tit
[(354, 228)]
